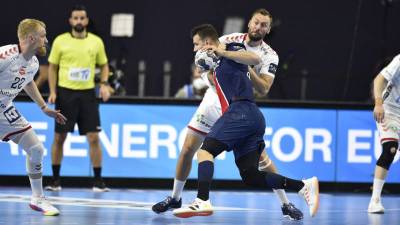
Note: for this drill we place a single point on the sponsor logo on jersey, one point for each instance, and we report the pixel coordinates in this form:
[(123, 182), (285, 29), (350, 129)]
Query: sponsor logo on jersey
[(10, 94), (22, 70)]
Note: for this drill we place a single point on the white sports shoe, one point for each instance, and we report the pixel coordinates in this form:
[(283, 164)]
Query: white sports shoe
[(41, 204), (375, 206), (197, 208), (310, 193)]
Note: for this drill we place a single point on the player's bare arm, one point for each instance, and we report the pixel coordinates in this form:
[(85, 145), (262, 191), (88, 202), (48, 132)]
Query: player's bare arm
[(243, 57), (33, 92), (262, 83), (379, 84)]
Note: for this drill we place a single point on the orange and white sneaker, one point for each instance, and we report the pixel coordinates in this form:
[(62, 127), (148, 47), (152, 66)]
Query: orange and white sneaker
[(310, 193), (43, 205), (197, 208)]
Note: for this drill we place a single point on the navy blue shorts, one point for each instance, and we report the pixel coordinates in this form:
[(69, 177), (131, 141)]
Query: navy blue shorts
[(241, 129)]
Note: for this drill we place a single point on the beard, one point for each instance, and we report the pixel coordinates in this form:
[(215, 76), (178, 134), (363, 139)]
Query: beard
[(41, 51), (255, 37), (79, 28)]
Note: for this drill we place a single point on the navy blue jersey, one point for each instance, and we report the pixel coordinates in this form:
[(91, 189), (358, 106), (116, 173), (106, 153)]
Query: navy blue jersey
[(232, 80)]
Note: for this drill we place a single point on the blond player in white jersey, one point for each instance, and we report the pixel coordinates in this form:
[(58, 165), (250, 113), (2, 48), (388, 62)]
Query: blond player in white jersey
[(387, 117), (18, 65), (209, 110)]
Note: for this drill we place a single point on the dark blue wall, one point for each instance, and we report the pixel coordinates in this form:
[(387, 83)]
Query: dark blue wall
[(313, 38)]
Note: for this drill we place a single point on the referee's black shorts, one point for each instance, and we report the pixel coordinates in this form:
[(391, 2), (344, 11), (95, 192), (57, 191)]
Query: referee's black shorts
[(79, 106)]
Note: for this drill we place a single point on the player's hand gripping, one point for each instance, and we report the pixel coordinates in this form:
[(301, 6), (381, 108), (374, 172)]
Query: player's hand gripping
[(219, 51)]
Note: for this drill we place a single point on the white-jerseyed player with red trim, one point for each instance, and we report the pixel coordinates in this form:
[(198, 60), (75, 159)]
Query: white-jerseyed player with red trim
[(386, 115), (18, 65), (209, 110)]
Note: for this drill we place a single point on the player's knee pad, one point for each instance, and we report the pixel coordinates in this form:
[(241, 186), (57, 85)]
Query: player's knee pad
[(249, 172), (34, 160), (253, 177), (389, 150), (34, 152), (213, 146)]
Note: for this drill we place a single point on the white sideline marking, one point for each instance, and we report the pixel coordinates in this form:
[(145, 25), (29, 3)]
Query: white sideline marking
[(102, 203)]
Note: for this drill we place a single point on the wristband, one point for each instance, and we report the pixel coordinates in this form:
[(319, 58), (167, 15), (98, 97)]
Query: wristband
[(43, 106), (103, 82)]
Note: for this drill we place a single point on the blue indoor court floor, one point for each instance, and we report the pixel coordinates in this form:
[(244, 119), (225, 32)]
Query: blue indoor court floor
[(131, 206)]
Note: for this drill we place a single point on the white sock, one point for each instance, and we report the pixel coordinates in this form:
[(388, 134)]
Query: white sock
[(281, 195), (178, 188), (377, 188), (36, 186)]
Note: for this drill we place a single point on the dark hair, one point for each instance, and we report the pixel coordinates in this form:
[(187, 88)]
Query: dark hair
[(78, 8), (263, 12), (205, 31)]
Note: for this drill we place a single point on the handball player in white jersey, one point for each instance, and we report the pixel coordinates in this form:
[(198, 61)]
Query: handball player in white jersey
[(209, 110), (387, 117), (18, 65)]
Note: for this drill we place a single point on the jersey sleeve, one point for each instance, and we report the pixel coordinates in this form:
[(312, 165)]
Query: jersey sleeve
[(6, 52), (269, 64), (3, 60), (101, 57), (392, 70), (55, 52), (230, 38), (224, 39)]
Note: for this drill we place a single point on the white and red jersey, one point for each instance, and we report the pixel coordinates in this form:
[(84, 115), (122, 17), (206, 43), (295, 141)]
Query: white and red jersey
[(391, 94), (269, 58), (15, 73)]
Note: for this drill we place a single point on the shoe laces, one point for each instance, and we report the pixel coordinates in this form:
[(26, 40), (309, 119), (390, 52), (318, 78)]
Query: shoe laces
[(100, 184), (167, 201), (293, 212), (307, 195), (43, 201)]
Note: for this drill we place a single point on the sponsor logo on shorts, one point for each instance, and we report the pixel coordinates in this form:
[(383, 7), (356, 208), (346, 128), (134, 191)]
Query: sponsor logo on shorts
[(200, 119), (11, 114)]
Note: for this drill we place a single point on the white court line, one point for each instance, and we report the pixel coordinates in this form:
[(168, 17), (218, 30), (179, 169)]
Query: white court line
[(103, 203)]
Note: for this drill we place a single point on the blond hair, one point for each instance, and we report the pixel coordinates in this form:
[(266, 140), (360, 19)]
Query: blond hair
[(28, 26)]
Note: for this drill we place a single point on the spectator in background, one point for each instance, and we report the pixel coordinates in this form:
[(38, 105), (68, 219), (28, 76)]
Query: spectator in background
[(194, 90), (72, 61)]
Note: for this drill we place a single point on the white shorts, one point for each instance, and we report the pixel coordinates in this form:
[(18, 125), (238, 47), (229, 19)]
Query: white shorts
[(12, 123), (206, 114), (389, 129)]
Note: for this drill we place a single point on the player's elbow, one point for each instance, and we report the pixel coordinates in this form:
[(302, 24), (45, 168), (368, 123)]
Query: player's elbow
[(262, 92)]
